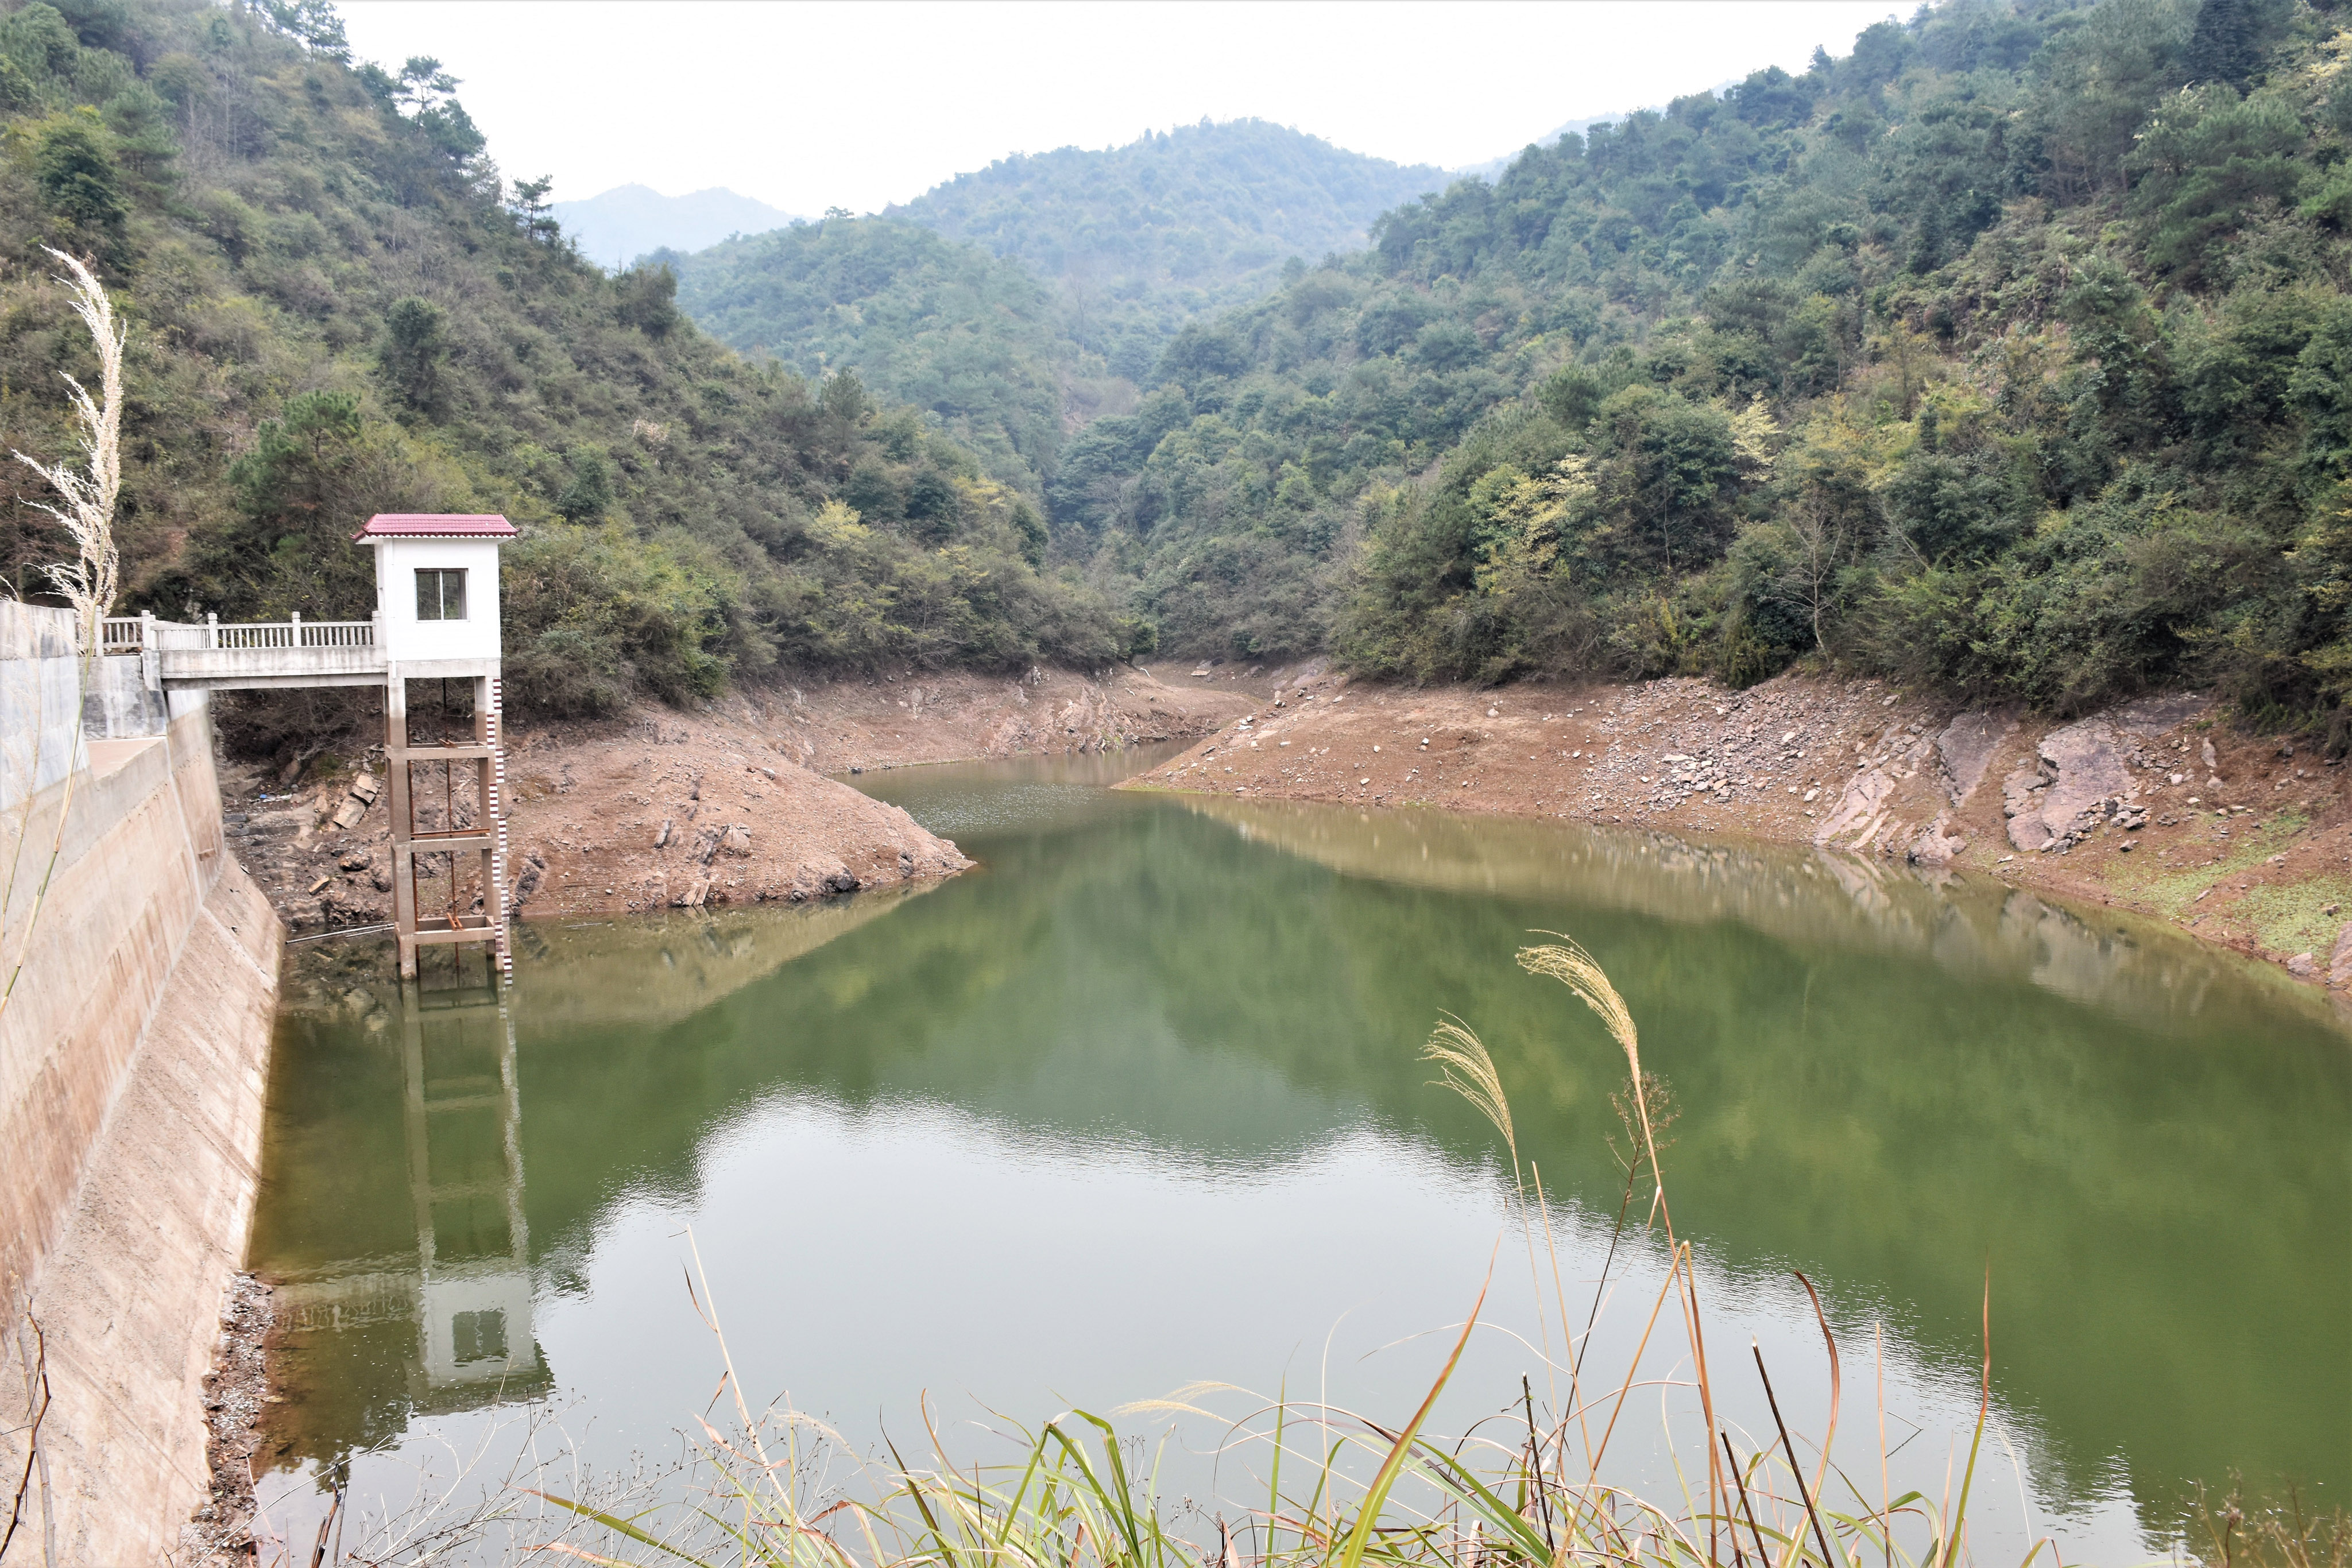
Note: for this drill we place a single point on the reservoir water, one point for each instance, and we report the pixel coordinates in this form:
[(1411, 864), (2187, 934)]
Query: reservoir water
[(1139, 1103)]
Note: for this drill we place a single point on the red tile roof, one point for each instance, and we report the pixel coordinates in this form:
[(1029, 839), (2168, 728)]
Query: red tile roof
[(436, 525)]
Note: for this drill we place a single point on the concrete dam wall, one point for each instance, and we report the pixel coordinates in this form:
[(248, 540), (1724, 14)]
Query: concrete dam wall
[(140, 967)]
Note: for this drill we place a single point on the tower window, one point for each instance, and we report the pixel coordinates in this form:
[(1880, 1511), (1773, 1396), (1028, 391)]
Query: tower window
[(440, 593)]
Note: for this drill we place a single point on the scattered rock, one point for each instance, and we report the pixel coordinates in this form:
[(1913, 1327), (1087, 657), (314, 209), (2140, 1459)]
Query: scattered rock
[(2302, 966), (221, 1531), (1936, 843), (2086, 764), (735, 840), (2339, 962)]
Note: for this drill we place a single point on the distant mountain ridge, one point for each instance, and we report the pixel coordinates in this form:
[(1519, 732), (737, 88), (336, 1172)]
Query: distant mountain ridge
[(1021, 300), (620, 224), (1143, 238)]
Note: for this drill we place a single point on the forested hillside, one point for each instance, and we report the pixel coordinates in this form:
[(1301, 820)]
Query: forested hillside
[(2011, 353), (336, 307), (1037, 292), (979, 342), (1143, 238)]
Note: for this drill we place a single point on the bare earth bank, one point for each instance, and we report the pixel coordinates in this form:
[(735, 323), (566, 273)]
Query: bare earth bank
[(2155, 805), (728, 804)]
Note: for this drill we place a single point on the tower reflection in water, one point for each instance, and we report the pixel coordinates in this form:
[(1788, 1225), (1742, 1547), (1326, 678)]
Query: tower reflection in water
[(468, 1287)]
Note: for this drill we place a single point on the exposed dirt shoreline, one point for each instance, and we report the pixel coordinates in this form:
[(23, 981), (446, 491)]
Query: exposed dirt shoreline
[(728, 804), (2158, 806)]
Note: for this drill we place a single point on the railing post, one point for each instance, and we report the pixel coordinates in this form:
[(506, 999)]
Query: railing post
[(297, 631), (212, 630), (150, 660)]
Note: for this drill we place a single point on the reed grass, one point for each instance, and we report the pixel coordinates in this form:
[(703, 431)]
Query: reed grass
[(88, 494), (86, 584), (1333, 1488)]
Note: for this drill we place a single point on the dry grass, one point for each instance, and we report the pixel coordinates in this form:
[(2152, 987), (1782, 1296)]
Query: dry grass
[(88, 584)]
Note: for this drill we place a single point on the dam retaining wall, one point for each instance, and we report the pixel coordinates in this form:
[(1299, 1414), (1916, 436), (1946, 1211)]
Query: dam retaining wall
[(140, 968)]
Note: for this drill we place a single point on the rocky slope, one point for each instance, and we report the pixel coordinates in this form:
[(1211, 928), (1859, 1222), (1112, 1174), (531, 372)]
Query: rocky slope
[(2155, 805)]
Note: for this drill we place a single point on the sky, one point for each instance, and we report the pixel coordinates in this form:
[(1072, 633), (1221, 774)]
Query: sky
[(809, 106)]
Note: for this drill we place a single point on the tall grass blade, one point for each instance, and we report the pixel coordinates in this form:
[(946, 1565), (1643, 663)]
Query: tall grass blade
[(1984, 1409), (614, 1524), (1376, 1497), (1796, 1466)]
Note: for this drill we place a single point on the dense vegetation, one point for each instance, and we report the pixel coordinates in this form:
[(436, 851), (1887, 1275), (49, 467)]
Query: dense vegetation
[(337, 308), (2011, 353), (976, 342), (1143, 238), (1040, 290)]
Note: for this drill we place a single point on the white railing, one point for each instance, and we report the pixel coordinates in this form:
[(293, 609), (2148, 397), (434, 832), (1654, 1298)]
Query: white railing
[(295, 634), (133, 634)]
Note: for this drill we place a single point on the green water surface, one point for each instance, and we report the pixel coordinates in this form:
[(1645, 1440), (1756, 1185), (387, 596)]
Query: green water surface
[(1137, 1101)]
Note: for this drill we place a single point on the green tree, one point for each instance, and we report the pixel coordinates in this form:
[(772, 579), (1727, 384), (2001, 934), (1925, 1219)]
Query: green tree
[(648, 300), (1669, 473), (588, 494), (414, 349), (74, 163), (315, 472)]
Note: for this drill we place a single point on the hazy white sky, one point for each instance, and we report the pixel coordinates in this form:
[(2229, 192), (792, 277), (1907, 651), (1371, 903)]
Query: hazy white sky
[(808, 105)]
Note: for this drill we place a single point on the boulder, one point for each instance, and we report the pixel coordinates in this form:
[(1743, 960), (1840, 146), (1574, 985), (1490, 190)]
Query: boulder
[(2088, 763), (2339, 962), (1966, 746), (735, 841), (2149, 717), (2020, 800), (1860, 810), (2303, 966), (1936, 843)]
